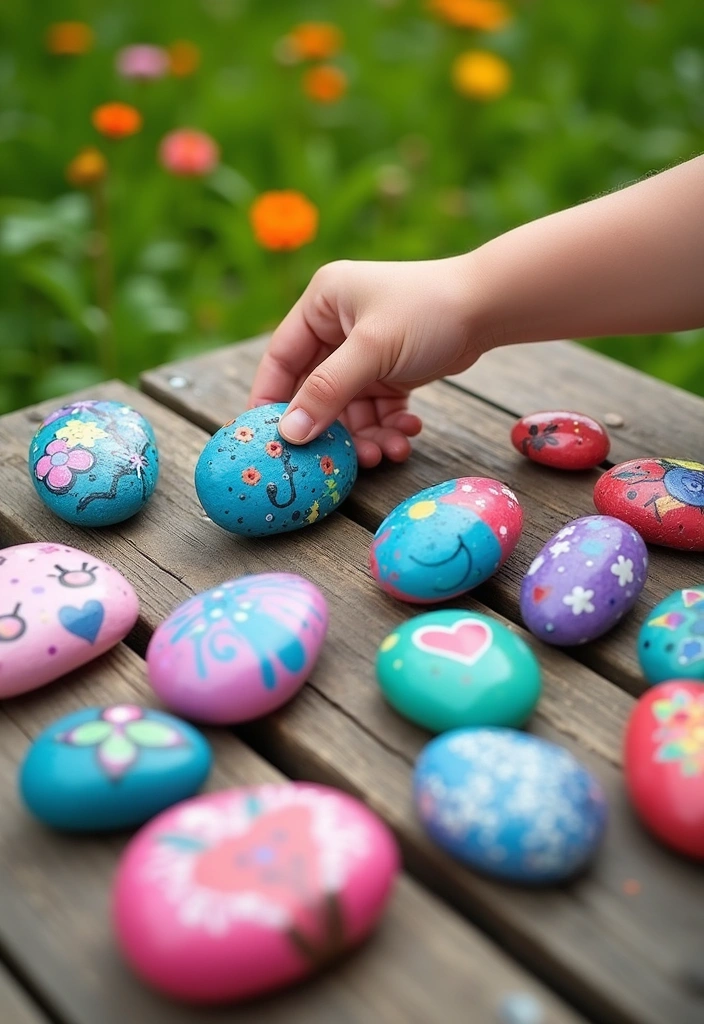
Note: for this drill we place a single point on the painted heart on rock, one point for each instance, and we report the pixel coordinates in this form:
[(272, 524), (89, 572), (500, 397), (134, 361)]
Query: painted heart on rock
[(83, 622), (540, 593), (465, 641)]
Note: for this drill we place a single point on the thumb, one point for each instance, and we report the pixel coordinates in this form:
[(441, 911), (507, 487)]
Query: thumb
[(329, 388)]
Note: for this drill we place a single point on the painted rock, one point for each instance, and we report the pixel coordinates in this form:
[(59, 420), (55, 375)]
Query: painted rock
[(446, 539), (671, 640), (94, 463), (250, 481), (509, 804), (664, 759), (240, 650), (585, 579), (563, 440), (662, 498), (112, 767), (59, 608), (452, 668), (240, 892)]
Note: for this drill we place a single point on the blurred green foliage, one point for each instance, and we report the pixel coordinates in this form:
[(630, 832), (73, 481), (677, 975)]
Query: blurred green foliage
[(604, 91)]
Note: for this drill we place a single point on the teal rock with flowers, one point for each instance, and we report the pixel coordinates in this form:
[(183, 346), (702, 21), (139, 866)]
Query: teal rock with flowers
[(94, 463), (450, 668), (112, 767), (671, 640)]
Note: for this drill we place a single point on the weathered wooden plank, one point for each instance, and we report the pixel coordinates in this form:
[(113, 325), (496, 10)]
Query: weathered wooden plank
[(588, 937), (463, 436), (54, 914), (659, 419), (16, 1006)]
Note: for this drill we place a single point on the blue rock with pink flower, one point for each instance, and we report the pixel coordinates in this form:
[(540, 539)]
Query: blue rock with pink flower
[(106, 768), (94, 463)]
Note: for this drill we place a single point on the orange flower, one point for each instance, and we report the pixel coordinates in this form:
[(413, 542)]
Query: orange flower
[(274, 449), (283, 220), (488, 15), (326, 84), (117, 120), (87, 168), (481, 75), (184, 58), (69, 38), (251, 476), (315, 40), (244, 434), (327, 465)]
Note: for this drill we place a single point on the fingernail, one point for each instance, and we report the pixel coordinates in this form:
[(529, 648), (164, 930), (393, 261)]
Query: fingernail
[(296, 425)]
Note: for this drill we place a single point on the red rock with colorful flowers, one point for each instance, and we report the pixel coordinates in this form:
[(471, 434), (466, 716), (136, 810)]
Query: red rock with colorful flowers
[(562, 440), (237, 893), (663, 499), (664, 761)]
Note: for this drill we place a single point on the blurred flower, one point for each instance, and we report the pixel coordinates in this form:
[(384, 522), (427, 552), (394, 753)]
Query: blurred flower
[(393, 181), (481, 14), (315, 40), (189, 153), (325, 83), (117, 120), (184, 58), (142, 61), (414, 150), (283, 220), (69, 38), (87, 168), (481, 75)]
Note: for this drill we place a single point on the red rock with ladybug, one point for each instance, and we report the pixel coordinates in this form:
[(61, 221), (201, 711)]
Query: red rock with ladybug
[(562, 440), (664, 764)]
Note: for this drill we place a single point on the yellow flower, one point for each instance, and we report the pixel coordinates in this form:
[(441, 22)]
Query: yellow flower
[(77, 432), (481, 75), (87, 168), (488, 15)]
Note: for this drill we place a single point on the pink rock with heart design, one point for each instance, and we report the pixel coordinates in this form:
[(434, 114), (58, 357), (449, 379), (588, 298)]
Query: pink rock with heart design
[(236, 893), (59, 608)]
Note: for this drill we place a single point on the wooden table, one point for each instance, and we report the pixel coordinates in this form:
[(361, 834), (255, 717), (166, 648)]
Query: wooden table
[(622, 945)]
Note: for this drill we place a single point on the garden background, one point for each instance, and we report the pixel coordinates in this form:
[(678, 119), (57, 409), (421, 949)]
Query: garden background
[(399, 137)]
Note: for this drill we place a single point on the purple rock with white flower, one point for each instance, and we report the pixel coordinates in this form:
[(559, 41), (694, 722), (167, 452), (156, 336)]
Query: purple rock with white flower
[(585, 579), (94, 463)]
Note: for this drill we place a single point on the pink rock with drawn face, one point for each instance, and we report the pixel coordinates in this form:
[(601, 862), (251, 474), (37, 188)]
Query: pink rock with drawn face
[(59, 608), (237, 893)]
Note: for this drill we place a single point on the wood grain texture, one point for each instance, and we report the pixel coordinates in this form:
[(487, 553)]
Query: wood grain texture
[(54, 908), (587, 938), (16, 1006), (462, 436)]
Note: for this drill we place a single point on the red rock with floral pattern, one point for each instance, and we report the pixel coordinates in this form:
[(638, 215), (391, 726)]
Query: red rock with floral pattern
[(664, 764), (562, 440)]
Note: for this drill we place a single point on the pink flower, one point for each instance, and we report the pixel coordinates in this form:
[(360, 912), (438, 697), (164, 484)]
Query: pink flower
[(189, 153), (142, 61), (59, 465)]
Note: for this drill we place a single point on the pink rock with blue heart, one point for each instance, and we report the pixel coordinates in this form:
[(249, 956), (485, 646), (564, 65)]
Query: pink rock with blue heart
[(586, 578), (240, 650), (59, 608)]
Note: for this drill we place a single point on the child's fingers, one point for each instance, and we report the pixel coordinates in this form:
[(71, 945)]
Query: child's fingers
[(393, 443), (292, 348), (368, 452)]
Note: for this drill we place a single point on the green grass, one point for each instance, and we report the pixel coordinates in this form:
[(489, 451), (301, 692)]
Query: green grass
[(604, 92)]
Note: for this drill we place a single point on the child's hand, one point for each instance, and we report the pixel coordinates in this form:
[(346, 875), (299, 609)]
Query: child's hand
[(358, 340)]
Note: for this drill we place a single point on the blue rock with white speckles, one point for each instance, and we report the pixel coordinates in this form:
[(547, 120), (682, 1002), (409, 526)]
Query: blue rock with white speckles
[(250, 481), (94, 463), (509, 804)]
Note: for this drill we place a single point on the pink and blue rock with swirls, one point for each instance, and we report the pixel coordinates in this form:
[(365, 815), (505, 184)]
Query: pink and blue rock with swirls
[(240, 650), (446, 539)]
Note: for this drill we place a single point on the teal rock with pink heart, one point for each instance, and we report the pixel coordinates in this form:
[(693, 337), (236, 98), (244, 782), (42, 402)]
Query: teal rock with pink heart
[(452, 668), (115, 767)]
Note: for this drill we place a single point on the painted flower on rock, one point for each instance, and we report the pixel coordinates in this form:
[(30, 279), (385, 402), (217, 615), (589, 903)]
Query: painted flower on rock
[(77, 432), (74, 408), (119, 734), (681, 734), (276, 856), (59, 465)]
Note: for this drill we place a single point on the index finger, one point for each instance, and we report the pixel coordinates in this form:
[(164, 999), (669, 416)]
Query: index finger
[(293, 346)]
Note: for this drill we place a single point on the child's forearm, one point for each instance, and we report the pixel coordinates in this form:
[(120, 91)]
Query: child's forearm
[(631, 262)]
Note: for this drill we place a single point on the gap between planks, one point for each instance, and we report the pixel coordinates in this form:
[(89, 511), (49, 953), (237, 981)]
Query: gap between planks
[(586, 939)]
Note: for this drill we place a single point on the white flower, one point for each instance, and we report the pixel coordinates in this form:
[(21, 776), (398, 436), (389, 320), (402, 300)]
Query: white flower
[(560, 548), (536, 564), (480, 502), (467, 488), (623, 568), (566, 531), (580, 600)]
